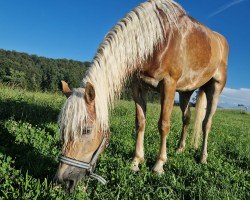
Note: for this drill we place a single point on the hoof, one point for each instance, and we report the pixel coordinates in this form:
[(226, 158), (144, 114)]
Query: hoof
[(135, 164), (160, 172), (203, 159), (158, 168), (134, 168), (180, 150)]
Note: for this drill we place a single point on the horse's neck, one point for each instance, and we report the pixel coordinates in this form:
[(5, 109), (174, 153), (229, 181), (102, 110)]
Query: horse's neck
[(130, 43)]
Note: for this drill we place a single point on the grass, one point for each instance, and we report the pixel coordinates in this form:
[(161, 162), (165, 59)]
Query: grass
[(30, 145)]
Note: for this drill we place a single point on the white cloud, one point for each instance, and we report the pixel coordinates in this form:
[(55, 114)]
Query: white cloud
[(225, 7), (233, 97), (230, 98)]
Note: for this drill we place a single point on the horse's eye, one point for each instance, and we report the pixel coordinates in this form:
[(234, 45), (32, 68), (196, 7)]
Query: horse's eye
[(88, 130)]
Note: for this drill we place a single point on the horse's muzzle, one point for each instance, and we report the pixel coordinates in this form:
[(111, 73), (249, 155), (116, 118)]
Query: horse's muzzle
[(69, 178)]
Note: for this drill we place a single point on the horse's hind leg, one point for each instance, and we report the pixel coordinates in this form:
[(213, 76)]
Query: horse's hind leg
[(139, 95), (212, 90), (186, 114), (167, 90)]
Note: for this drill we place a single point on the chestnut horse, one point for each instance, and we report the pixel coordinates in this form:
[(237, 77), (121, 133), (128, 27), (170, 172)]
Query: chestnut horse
[(157, 45)]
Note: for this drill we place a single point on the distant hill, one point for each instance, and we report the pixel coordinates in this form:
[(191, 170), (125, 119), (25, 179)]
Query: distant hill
[(33, 72), (37, 73)]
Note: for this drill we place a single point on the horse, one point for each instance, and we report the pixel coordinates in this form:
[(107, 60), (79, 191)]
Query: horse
[(156, 45)]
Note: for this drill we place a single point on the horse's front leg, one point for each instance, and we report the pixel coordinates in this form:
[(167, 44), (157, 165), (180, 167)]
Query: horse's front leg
[(139, 93), (167, 90)]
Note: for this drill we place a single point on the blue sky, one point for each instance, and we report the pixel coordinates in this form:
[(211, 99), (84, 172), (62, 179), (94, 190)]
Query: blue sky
[(74, 29)]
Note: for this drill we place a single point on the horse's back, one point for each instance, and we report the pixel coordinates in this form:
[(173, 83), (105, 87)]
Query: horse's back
[(191, 55), (203, 52)]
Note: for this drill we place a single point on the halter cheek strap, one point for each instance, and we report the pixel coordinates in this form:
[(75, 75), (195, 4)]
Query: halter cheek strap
[(91, 165)]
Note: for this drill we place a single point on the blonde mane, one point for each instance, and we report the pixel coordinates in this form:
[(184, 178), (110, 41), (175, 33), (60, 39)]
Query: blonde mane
[(121, 54), (73, 116)]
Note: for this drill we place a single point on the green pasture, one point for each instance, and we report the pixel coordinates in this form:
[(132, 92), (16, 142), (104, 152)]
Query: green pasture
[(30, 145)]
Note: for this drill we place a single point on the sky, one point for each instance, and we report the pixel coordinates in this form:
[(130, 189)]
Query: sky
[(74, 29)]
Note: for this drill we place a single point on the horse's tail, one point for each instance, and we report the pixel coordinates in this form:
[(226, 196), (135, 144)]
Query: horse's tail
[(200, 111)]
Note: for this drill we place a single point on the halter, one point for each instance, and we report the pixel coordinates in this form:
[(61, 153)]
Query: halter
[(91, 165)]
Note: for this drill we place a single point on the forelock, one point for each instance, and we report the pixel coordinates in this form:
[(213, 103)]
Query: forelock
[(73, 116)]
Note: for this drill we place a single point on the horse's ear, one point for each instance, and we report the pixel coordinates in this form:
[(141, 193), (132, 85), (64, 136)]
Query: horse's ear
[(89, 93), (65, 89)]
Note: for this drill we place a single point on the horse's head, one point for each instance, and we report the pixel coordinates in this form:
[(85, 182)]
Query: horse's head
[(83, 139)]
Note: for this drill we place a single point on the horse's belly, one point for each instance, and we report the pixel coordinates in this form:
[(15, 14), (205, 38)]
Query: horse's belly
[(191, 80)]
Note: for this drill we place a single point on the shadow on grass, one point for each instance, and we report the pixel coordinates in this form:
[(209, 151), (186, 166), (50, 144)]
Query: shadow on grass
[(26, 157), (197, 156), (27, 112)]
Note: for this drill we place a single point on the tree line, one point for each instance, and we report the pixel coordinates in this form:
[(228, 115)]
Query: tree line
[(36, 73), (39, 73)]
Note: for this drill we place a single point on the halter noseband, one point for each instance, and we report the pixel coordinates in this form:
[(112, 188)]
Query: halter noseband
[(91, 165)]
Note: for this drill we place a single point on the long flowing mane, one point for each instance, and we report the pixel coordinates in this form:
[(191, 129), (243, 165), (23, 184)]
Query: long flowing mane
[(125, 47), (124, 50)]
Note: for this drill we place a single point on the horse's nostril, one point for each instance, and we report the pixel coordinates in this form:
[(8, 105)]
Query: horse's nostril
[(55, 180), (70, 185)]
